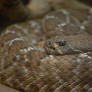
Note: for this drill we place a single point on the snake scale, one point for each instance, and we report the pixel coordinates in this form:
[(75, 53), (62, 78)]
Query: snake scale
[(50, 55)]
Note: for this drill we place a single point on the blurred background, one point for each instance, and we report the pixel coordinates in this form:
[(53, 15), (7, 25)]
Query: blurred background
[(88, 2)]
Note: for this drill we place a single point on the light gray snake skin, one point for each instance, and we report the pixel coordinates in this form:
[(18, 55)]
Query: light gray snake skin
[(53, 55)]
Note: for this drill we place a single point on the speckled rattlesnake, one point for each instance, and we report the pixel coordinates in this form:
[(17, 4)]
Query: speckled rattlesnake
[(35, 57)]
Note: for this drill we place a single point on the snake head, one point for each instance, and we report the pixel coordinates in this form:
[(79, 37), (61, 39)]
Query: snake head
[(58, 46)]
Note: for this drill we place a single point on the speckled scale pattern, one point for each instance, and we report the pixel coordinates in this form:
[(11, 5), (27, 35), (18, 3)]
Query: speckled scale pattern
[(25, 63), (63, 45), (68, 22)]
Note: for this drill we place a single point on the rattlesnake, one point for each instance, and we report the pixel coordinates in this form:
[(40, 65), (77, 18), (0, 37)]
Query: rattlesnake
[(26, 65)]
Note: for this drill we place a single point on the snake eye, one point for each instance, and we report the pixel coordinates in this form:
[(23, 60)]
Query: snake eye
[(62, 43)]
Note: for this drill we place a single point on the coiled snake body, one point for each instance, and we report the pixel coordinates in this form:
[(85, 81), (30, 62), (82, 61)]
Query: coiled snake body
[(53, 55)]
